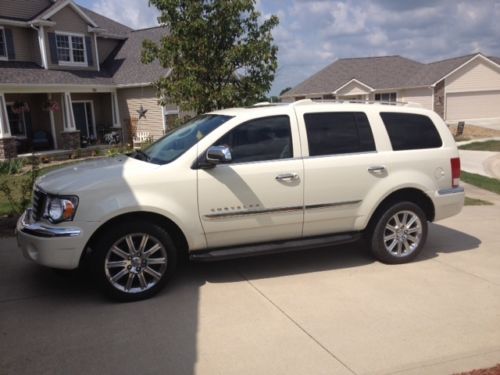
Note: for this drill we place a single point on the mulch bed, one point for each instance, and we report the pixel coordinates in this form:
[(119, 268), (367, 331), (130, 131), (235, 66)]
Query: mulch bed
[(485, 371), (473, 132)]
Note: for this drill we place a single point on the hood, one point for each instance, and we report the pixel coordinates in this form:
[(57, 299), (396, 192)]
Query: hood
[(93, 174)]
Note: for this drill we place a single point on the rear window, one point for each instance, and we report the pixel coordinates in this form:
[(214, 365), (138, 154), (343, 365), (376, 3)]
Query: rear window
[(332, 133), (409, 131)]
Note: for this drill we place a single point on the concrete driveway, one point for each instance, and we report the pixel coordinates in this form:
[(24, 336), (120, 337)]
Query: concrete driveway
[(325, 311)]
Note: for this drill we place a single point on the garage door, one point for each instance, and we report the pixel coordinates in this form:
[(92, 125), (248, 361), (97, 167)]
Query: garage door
[(473, 105)]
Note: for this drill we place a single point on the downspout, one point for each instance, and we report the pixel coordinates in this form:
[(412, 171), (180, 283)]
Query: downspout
[(41, 44)]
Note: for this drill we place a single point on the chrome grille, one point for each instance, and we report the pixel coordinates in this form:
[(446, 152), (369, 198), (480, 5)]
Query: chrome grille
[(39, 198)]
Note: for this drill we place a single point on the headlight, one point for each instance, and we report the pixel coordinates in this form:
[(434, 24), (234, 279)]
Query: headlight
[(58, 209)]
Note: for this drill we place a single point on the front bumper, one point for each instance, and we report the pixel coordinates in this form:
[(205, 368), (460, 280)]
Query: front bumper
[(49, 245)]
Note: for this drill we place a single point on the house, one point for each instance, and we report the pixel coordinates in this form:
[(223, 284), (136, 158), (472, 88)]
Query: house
[(68, 74), (462, 88)]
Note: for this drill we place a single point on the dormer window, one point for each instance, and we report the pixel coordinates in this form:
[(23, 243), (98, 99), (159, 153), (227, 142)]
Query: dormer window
[(71, 49), (3, 45)]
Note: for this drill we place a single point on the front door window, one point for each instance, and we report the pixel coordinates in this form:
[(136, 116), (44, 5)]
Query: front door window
[(17, 121)]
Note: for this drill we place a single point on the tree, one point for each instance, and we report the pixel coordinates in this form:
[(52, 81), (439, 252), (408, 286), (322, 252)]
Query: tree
[(219, 54)]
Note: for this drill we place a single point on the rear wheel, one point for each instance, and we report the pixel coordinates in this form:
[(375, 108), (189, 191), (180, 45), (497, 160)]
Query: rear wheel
[(399, 234), (134, 260)]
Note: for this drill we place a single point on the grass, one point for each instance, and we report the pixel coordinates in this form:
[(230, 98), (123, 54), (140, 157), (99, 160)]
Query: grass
[(482, 146), (483, 182), (476, 202)]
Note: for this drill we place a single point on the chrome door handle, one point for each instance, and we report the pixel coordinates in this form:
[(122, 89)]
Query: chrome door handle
[(376, 169), (287, 177)]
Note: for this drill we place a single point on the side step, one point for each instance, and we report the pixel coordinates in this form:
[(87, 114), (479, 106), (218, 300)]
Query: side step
[(272, 247)]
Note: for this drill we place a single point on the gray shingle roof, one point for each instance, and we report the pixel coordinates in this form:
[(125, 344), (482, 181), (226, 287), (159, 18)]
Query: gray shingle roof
[(112, 27), (379, 73), (125, 65), (30, 73)]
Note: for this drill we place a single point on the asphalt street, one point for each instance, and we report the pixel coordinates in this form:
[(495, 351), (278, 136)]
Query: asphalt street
[(323, 311)]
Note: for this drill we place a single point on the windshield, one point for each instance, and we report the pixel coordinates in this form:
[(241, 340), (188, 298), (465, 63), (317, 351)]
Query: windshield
[(174, 144)]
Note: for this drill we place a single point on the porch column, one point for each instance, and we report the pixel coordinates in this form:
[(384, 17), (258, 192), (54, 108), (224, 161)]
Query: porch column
[(70, 135), (8, 147), (52, 124), (115, 111)]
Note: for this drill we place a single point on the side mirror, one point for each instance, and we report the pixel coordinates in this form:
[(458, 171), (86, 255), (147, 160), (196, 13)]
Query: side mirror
[(218, 155)]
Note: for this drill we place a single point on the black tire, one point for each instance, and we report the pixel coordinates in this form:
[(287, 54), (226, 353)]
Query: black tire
[(151, 271), (401, 248)]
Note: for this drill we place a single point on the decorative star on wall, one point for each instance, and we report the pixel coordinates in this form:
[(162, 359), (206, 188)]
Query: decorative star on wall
[(142, 112)]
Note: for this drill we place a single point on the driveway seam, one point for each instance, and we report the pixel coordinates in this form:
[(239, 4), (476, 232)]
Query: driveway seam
[(465, 272), (293, 321)]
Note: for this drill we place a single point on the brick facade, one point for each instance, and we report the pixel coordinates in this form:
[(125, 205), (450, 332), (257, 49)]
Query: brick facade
[(71, 140), (8, 148), (439, 98)]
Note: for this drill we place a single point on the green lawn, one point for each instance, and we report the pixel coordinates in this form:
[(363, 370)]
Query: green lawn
[(476, 202), (482, 146), (483, 182)]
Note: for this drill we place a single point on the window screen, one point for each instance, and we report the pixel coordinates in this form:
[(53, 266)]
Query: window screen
[(266, 138), (409, 131), (334, 133)]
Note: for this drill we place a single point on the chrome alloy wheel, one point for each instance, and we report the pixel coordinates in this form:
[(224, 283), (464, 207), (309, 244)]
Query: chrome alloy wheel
[(402, 233), (135, 263)]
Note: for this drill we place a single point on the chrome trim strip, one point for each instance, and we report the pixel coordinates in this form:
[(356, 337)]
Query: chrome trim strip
[(41, 230), (224, 215), (327, 205), (456, 190)]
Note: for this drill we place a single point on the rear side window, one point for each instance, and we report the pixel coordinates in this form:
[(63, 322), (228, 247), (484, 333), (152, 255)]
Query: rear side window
[(332, 133), (267, 138), (409, 131)]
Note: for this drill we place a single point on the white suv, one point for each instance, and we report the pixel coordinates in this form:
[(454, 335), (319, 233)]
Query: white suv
[(247, 181)]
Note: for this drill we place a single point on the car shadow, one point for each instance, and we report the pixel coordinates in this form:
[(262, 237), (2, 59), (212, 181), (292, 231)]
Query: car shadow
[(441, 240)]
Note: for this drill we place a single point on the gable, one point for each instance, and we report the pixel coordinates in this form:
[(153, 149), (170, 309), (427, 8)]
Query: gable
[(68, 20), (353, 88), (23, 10), (480, 74)]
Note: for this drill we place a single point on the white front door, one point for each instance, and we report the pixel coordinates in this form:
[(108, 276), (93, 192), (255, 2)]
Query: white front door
[(257, 197)]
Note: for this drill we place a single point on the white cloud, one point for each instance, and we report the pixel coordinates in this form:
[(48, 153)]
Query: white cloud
[(133, 13)]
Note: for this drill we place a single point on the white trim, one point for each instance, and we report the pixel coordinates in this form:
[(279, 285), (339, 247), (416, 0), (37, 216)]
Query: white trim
[(4, 21), (132, 85), (70, 47), (115, 110), (92, 113), (6, 56), (54, 88), (97, 63), (69, 123), (75, 7), (351, 81), (479, 55), (41, 43), (52, 125), (433, 101)]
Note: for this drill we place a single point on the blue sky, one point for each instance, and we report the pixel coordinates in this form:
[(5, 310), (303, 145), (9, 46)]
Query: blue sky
[(314, 33)]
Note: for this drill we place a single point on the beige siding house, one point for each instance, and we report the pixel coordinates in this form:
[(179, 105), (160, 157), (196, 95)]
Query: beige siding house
[(70, 77), (462, 88)]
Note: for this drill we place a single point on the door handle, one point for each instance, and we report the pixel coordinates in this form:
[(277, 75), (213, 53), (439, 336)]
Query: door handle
[(376, 169), (287, 177)]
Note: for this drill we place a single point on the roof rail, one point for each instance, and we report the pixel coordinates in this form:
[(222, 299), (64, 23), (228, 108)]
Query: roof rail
[(358, 101)]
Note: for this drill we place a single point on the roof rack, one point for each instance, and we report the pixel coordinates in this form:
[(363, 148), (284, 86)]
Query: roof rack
[(358, 101)]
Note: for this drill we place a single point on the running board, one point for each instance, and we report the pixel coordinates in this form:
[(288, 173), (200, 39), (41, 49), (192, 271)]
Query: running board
[(272, 247)]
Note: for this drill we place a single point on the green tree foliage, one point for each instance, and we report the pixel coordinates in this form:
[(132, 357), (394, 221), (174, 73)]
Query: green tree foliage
[(220, 54)]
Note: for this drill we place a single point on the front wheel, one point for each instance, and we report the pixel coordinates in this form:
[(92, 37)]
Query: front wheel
[(399, 234), (134, 260)]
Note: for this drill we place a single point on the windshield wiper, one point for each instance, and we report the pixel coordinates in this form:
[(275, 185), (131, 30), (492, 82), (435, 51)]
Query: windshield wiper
[(140, 155)]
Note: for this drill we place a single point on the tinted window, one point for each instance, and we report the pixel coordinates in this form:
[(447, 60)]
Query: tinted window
[(266, 138), (410, 132), (338, 133)]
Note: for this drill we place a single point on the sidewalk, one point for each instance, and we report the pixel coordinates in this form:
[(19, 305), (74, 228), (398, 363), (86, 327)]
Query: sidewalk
[(485, 163)]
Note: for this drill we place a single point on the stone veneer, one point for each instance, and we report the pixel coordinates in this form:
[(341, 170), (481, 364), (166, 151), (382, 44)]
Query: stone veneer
[(71, 140), (8, 148), (439, 98)]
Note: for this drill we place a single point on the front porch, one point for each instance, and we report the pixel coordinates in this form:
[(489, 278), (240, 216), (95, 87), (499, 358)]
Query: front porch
[(33, 122)]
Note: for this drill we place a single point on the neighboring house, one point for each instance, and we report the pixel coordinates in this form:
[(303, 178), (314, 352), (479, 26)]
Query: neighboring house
[(462, 88), (68, 73)]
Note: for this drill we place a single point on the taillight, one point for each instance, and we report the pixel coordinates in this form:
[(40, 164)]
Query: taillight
[(455, 172)]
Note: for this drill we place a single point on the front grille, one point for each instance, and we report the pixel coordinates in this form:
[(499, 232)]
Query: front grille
[(39, 198)]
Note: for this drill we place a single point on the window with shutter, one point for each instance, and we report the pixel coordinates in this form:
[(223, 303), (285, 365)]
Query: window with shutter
[(3, 45), (71, 49)]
